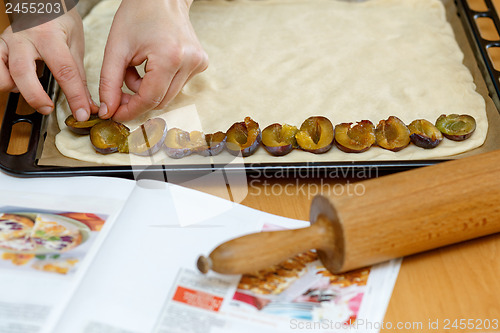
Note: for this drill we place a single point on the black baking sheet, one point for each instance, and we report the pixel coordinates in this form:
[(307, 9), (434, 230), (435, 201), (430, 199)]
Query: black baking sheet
[(26, 165)]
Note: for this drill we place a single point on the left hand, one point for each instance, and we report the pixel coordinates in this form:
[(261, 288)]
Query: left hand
[(60, 44)]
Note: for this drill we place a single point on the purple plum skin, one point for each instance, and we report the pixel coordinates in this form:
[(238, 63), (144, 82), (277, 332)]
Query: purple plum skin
[(423, 141), (177, 152), (321, 150), (106, 151), (349, 150), (278, 150), (458, 137)]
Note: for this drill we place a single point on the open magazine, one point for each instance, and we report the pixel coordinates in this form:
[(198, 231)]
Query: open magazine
[(96, 255)]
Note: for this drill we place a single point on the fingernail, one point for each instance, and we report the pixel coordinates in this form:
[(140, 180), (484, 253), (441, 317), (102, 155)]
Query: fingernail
[(81, 115), (103, 110), (45, 109)]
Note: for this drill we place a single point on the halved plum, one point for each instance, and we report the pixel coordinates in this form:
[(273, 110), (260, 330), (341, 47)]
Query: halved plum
[(316, 135), (456, 127), (215, 143), (243, 137), (148, 138), (424, 134), (109, 137), (179, 143), (392, 134), (279, 140), (82, 127), (355, 138)]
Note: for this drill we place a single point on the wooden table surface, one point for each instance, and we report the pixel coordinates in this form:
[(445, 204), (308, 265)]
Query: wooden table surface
[(457, 282)]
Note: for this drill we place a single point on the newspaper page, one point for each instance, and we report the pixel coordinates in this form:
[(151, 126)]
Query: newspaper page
[(50, 229), (145, 278)]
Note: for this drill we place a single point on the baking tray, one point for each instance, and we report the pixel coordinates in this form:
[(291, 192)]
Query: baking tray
[(26, 165)]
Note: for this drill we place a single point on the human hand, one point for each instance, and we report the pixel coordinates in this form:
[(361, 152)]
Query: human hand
[(60, 44), (160, 33)]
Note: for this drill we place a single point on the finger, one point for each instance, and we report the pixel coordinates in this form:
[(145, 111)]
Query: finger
[(23, 72), (77, 52), (94, 108), (191, 76), (202, 66), (112, 77), (132, 79), (151, 92), (65, 70), (6, 82), (179, 80), (77, 49), (199, 63), (125, 99)]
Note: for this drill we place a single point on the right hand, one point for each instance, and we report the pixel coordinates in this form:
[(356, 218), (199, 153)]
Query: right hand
[(60, 44), (159, 33)]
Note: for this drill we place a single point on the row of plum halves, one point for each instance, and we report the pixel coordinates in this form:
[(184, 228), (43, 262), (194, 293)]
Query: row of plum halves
[(316, 135)]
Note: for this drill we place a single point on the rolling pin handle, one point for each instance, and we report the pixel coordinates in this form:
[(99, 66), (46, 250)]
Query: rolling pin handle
[(250, 253)]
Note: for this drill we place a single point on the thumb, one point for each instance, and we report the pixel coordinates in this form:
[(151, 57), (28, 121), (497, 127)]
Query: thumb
[(112, 75)]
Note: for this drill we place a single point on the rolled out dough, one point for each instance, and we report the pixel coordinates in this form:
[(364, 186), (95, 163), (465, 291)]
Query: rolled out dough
[(283, 61)]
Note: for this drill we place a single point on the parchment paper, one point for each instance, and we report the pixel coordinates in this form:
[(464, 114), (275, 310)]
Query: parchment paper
[(51, 156)]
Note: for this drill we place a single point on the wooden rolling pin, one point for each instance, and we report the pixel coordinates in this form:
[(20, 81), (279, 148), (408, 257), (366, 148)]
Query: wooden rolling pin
[(398, 215)]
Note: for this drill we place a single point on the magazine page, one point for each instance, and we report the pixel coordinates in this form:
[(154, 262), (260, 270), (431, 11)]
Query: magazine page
[(145, 277), (50, 229), (298, 295)]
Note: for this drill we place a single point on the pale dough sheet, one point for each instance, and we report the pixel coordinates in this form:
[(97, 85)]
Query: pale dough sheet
[(283, 61)]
